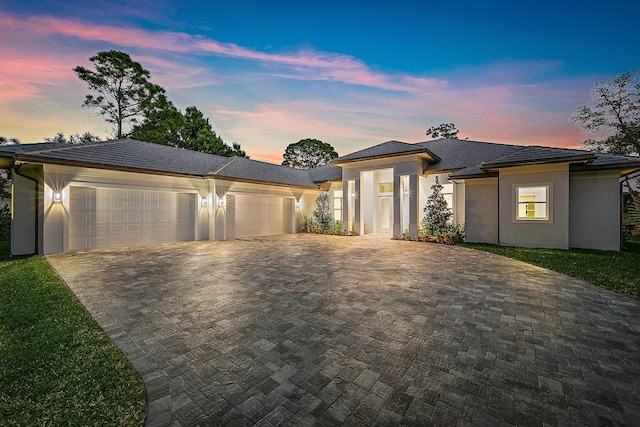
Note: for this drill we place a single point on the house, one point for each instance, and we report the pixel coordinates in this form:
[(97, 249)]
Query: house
[(126, 192)]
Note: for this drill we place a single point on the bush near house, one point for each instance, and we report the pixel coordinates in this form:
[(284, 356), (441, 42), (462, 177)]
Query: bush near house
[(437, 223), (57, 366)]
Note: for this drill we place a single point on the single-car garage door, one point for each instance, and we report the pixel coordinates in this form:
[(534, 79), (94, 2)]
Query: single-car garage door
[(105, 217), (249, 216)]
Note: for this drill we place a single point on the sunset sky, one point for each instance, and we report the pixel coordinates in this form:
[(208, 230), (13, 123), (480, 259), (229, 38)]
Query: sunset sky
[(351, 73)]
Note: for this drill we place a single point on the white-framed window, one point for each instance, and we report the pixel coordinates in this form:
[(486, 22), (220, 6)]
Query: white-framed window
[(447, 193), (532, 202), (337, 205)]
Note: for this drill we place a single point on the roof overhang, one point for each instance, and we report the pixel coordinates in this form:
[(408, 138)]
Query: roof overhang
[(213, 175), (83, 164), (581, 158), (422, 152)]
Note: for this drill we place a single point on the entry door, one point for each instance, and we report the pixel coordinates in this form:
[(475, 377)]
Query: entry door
[(386, 214)]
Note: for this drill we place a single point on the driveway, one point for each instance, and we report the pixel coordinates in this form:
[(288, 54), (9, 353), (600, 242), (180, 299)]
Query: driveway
[(328, 330)]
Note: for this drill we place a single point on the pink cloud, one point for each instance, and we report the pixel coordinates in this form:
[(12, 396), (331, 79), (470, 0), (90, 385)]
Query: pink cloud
[(491, 104), (306, 64)]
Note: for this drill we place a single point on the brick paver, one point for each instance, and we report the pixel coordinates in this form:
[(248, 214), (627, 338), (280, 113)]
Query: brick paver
[(326, 330)]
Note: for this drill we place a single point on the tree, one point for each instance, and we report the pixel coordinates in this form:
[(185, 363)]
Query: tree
[(444, 130), (8, 141), (123, 85), (437, 213), (308, 153), (198, 135), (614, 113), (75, 138), (163, 123), (322, 215)]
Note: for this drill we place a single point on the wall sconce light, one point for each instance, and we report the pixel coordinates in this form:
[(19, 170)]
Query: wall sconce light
[(57, 197), (298, 205), (406, 192), (204, 202), (353, 195), (221, 202)]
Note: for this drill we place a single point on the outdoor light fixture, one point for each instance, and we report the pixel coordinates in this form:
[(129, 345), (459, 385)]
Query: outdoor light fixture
[(297, 205), (204, 202), (406, 192), (353, 194), (57, 197), (221, 202)]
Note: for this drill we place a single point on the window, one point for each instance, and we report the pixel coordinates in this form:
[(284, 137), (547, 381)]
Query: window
[(532, 203), (337, 205), (447, 193), (385, 187)]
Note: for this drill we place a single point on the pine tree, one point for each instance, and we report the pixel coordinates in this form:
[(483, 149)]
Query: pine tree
[(437, 213), (322, 216)]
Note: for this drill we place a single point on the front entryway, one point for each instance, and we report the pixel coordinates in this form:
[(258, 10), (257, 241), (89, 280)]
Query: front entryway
[(385, 214), (376, 201)]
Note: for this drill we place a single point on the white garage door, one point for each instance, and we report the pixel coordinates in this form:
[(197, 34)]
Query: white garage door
[(249, 216), (104, 218)]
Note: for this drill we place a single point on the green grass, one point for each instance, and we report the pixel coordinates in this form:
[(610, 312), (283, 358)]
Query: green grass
[(617, 271), (57, 366)]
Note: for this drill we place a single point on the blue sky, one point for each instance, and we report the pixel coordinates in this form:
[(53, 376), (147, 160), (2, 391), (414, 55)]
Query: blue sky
[(353, 74)]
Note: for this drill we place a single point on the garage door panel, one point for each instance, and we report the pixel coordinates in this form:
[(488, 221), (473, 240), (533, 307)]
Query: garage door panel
[(116, 217), (258, 216)]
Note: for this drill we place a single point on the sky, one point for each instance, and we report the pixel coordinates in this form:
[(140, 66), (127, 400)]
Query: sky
[(350, 73)]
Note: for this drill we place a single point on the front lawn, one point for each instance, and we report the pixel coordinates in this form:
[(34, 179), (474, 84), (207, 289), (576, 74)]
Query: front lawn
[(57, 366), (617, 271)]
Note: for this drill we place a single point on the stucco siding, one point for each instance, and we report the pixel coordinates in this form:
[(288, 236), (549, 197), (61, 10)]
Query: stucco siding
[(594, 206), (550, 233), (481, 210), (26, 198)]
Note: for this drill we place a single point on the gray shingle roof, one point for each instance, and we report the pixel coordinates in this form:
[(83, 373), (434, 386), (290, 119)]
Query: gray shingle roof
[(325, 173), (536, 155), (462, 153), (466, 159), (13, 148), (254, 171), (609, 161), (386, 149), (128, 154)]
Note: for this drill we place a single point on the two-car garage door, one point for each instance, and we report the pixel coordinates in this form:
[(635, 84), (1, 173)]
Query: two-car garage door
[(105, 217)]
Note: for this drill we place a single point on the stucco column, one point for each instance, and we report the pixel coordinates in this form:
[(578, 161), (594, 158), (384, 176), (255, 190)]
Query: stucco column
[(356, 205), (414, 209), (397, 217), (345, 205)]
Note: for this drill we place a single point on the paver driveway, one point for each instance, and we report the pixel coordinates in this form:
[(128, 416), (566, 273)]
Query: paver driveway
[(306, 329)]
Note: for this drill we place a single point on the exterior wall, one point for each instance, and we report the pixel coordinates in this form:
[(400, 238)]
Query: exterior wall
[(481, 210), (594, 210), (61, 178), (211, 218), (26, 218), (551, 233)]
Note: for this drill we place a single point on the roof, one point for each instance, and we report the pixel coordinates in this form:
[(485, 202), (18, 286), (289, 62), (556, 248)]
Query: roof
[(462, 153), (254, 171), (464, 159), (140, 156), (536, 155), (127, 154), (325, 173), (13, 148), (386, 149)]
